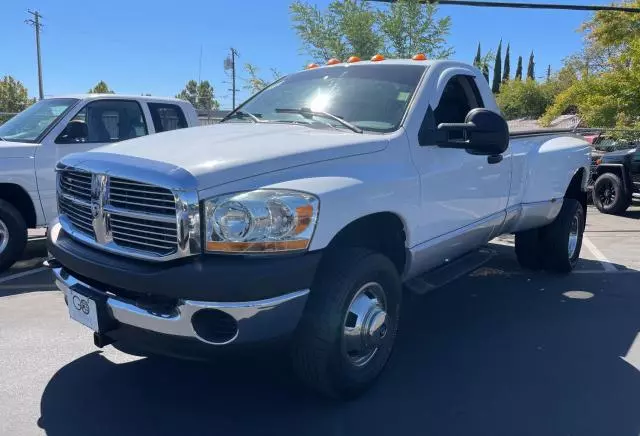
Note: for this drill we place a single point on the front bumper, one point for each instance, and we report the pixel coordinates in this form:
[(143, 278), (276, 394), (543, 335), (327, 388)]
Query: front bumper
[(254, 321)]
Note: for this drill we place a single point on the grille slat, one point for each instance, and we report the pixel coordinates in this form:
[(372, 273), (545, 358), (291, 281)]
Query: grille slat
[(141, 216)]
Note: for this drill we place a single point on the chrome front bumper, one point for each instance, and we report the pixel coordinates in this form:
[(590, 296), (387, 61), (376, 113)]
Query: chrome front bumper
[(256, 321)]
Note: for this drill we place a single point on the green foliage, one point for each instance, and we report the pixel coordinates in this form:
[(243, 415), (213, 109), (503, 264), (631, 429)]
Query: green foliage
[(519, 69), (478, 59), (255, 83), (604, 92), (13, 95), (410, 26), (531, 68), (497, 70), (200, 95), (482, 62), (101, 88), (355, 27), (506, 74), (524, 99)]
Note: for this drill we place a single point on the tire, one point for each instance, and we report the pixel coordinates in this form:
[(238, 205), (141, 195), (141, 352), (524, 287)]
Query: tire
[(610, 195), (529, 249), (13, 235), (558, 255), (319, 349)]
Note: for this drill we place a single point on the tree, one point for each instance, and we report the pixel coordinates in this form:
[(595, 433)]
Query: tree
[(607, 96), (506, 73), (200, 95), (477, 61), (354, 27), (549, 72), (519, 69), (255, 83), (485, 72), (497, 70), (13, 95), (101, 88), (409, 27), (531, 71), (528, 99)]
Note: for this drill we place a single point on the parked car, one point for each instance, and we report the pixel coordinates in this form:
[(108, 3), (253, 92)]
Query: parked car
[(302, 213), (33, 141), (617, 180)]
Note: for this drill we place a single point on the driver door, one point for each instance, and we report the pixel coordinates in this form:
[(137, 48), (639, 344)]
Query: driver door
[(99, 122), (464, 196)]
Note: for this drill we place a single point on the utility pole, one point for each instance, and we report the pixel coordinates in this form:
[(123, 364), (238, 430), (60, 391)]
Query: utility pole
[(230, 64), (35, 22)]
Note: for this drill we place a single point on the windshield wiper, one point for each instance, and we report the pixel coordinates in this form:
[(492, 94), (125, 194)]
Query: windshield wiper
[(242, 114), (308, 113)]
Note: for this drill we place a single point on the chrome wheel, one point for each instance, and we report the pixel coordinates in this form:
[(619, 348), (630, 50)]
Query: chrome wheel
[(365, 324), (574, 232), (4, 236)]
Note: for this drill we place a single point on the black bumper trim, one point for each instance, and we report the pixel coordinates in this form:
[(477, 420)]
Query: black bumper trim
[(203, 277)]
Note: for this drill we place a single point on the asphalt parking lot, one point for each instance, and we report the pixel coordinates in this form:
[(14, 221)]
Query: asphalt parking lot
[(500, 351)]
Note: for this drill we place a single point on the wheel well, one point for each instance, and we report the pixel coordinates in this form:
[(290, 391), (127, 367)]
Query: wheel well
[(614, 169), (19, 198), (575, 189), (382, 232)]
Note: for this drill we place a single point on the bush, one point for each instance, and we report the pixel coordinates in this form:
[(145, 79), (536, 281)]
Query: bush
[(524, 99)]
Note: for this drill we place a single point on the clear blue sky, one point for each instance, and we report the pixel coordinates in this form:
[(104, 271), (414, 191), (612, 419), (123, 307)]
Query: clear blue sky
[(143, 46)]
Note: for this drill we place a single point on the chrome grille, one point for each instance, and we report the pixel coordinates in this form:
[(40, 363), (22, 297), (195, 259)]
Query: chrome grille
[(135, 216)]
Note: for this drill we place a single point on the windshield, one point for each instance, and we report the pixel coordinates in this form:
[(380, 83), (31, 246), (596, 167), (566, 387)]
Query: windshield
[(373, 97), (29, 124)]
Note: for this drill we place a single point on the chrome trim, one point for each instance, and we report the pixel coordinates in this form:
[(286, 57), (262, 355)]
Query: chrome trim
[(103, 167), (257, 320)]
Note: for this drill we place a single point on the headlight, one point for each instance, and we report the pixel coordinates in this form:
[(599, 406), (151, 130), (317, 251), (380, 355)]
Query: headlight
[(261, 221)]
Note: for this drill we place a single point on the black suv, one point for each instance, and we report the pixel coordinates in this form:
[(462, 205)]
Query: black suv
[(617, 180)]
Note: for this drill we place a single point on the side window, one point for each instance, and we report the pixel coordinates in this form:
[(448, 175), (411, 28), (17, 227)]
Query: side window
[(167, 117), (459, 96), (105, 121)]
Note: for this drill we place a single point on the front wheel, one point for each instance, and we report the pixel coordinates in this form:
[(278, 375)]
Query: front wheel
[(609, 194), (13, 235), (347, 332)]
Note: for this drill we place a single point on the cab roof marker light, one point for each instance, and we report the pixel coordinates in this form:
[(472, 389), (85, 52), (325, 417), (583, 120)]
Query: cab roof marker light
[(377, 58), (333, 61), (419, 57), (353, 59)]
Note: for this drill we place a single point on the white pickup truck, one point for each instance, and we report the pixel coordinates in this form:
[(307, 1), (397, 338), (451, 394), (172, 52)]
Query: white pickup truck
[(302, 214), (32, 142)]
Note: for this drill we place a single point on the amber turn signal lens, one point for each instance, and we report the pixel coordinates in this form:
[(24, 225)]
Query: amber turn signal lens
[(353, 59), (310, 66), (377, 58), (257, 247), (333, 61), (419, 57)]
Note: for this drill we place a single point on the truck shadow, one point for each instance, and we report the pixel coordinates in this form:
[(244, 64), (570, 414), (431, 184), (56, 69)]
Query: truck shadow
[(489, 354)]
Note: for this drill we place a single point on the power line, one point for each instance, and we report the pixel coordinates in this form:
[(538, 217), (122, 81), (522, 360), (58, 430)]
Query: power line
[(494, 4), (35, 22)]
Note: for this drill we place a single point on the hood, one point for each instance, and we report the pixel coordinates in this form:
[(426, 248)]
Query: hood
[(617, 155), (223, 153), (10, 149)]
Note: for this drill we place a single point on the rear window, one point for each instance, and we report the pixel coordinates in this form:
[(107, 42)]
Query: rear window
[(167, 117)]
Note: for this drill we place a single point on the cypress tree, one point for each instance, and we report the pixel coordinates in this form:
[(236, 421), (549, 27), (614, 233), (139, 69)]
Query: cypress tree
[(519, 69), (531, 69), (478, 58), (497, 70), (485, 72), (549, 73), (506, 73)]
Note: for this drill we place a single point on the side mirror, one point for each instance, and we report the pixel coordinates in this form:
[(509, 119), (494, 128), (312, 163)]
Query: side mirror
[(76, 131), (483, 132)]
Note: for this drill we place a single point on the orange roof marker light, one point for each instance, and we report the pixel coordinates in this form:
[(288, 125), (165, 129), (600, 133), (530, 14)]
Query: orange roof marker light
[(311, 66), (353, 59), (377, 58), (333, 61), (419, 57)]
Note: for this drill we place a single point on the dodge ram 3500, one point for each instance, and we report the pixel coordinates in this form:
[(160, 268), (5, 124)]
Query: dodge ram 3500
[(33, 141), (302, 214)]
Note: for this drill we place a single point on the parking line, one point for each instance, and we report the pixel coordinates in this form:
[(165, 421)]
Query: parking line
[(22, 274), (608, 266)]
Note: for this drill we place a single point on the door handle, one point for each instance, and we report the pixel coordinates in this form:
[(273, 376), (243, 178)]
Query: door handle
[(494, 159)]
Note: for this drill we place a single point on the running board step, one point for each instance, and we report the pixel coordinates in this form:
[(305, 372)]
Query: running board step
[(636, 195), (450, 271)]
